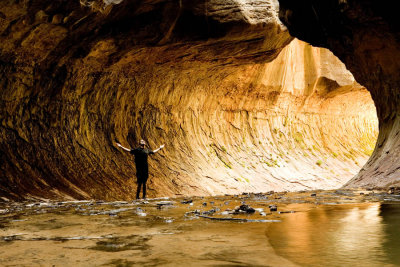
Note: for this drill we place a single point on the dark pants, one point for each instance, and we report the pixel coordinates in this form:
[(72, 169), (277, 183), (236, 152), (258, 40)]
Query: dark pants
[(141, 183)]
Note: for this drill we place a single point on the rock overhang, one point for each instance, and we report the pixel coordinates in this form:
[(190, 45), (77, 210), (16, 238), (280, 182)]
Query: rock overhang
[(234, 119)]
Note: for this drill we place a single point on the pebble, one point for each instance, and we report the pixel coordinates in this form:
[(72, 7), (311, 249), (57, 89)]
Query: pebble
[(244, 208), (164, 203), (273, 208), (394, 190), (209, 212)]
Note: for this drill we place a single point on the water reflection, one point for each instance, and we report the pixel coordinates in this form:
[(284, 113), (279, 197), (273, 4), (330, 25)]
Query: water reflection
[(391, 224), (340, 235), (168, 232)]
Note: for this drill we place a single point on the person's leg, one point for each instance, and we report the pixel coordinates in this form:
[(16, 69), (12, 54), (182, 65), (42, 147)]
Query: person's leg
[(144, 190), (144, 180), (139, 185)]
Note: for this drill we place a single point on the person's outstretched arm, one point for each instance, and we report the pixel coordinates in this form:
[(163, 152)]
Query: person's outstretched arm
[(155, 151), (124, 148)]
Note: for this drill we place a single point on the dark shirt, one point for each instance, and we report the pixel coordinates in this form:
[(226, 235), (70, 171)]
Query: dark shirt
[(141, 155)]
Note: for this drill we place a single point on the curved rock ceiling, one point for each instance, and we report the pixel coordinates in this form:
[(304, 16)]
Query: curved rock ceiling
[(365, 36), (240, 105)]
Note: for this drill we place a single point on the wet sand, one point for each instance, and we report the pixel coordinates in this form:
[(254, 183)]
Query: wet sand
[(166, 232)]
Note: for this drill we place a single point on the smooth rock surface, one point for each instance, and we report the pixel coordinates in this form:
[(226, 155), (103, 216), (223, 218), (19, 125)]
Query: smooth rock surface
[(365, 36), (239, 105)]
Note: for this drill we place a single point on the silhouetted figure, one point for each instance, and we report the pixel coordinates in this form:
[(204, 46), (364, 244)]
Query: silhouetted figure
[(142, 167)]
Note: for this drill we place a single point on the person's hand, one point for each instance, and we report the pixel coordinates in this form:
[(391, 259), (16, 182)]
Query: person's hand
[(161, 146)]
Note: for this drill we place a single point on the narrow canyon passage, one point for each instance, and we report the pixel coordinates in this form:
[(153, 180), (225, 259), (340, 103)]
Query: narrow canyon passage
[(240, 107)]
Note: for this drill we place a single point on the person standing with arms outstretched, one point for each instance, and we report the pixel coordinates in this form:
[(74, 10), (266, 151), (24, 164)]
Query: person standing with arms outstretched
[(142, 167)]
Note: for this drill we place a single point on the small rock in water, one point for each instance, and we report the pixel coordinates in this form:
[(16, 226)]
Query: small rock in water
[(394, 190), (163, 204), (204, 204), (244, 208), (187, 201), (209, 212), (313, 194), (260, 196), (12, 238), (140, 212), (273, 208)]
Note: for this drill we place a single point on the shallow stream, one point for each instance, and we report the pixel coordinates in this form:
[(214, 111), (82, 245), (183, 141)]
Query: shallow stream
[(309, 228)]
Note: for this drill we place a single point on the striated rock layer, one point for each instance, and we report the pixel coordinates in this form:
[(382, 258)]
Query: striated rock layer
[(365, 36), (238, 107)]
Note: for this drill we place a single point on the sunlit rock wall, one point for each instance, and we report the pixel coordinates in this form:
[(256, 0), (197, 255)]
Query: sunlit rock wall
[(237, 107), (365, 35)]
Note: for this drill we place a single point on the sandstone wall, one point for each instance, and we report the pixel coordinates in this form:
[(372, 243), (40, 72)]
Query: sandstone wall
[(365, 36), (238, 107)]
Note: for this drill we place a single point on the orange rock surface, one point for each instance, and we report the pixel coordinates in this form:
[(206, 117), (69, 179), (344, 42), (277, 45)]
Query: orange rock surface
[(238, 104), (365, 36)]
